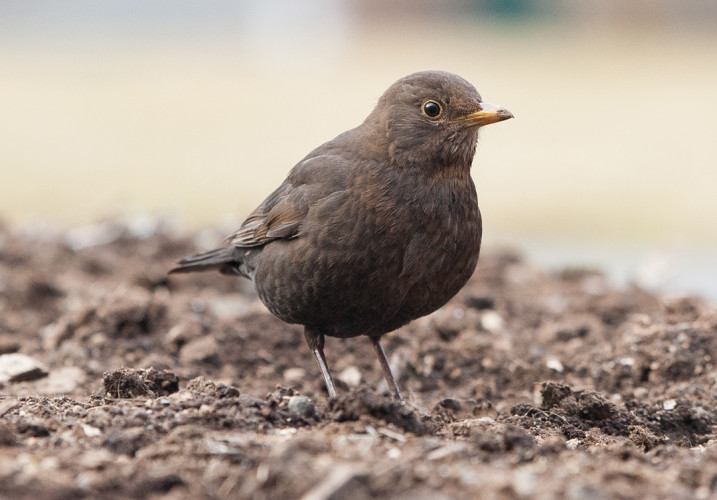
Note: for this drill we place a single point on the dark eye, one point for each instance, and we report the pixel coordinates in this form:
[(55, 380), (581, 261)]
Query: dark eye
[(432, 109)]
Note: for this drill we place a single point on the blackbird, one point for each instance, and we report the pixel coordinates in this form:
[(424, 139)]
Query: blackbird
[(374, 228)]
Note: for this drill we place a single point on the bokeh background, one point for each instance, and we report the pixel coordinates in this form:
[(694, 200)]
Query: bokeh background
[(195, 110)]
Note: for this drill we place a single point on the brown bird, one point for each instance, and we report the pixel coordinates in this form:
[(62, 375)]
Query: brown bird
[(374, 228)]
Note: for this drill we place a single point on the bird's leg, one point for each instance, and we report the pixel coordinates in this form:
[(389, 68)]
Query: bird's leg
[(316, 344), (392, 386)]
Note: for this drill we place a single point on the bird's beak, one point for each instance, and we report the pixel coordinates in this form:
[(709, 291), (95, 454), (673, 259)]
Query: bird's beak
[(489, 113)]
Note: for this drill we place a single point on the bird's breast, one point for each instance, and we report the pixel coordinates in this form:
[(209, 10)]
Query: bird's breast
[(443, 251)]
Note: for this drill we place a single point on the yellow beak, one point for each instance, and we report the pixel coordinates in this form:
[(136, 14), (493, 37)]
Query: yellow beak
[(489, 113)]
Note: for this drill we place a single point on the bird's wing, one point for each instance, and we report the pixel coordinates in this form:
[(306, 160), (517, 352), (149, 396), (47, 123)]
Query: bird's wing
[(281, 214)]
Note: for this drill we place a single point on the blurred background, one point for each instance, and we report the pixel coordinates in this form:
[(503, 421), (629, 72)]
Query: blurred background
[(196, 110)]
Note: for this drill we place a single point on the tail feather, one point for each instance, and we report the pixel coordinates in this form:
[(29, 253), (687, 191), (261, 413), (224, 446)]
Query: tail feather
[(221, 258)]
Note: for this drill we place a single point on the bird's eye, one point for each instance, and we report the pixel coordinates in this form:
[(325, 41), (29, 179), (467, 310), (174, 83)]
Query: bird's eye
[(432, 109)]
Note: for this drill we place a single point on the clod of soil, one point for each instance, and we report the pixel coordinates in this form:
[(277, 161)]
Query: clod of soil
[(129, 383)]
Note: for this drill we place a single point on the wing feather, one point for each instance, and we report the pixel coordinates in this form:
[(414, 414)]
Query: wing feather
[(282, 213)]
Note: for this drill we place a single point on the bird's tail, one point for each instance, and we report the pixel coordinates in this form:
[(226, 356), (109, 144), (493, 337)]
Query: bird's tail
[(221, 258)]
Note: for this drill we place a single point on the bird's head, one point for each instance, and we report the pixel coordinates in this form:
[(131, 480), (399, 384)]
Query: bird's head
[(432, 119)]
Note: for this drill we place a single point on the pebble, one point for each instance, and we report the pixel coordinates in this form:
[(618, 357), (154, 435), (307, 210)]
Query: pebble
[(64, 380), (90, 431), (294, 375), (492, 321), (627, 361), (351, 376), (18, 367), (301, 406), (183, 333), (199, 350), (572, 444), (555, 364)]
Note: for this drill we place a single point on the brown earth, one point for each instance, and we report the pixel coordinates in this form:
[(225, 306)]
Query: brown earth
[(528, 384)]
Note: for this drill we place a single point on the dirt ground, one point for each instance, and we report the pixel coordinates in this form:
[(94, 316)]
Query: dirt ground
[(121, 382)]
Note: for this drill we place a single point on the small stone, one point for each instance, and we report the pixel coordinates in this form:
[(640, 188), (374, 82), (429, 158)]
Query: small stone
[(90, 431), (17, 367), (492, 321), (555, 364), (199, 350), (142, 226), (627, 361), (670, 404), (572, 444), (301, 406), (183, 333), (64, 380), (294, 375), (351, 376)]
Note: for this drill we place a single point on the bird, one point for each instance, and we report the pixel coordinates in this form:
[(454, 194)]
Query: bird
[(374, 228)]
